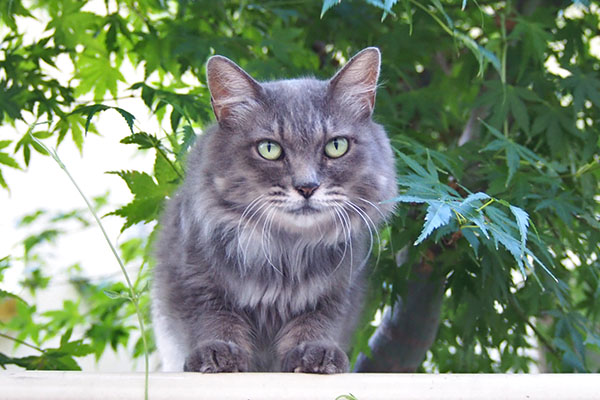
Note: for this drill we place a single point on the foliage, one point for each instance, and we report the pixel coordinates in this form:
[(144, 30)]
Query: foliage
[(498, 155), (102, 311)]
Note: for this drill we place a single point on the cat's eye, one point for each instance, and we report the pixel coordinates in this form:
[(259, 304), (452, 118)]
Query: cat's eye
[(269, 150), (336, 147)]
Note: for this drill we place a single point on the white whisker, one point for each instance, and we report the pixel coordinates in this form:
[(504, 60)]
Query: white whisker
[(262, 211), (336, 208), (369, 223), (384, 219), (375, 207), (358, 212), (349, 226), (240, 230), (268, 219)]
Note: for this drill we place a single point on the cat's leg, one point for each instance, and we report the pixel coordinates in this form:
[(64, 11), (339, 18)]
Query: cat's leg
[(306, 344), (221, 342), (170, 342)]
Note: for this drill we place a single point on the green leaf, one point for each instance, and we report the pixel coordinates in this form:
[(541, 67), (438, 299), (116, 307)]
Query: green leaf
[(129, 118), (164, 170), (408, 199), (46, 236), (414, 165), (523, 223), (472, 239), (3, 181), (535, 39), (518, 109), (8, 160), (348, 396), (90, 111), (479, 196), (562, 205), (438, 214), (385, 5), (189, 138), (143, 140), (327, 4), (111, 294), (148, 198), (76, 135), (97, 74), (139, 183), (512, 162), (482, 54), (584, 87), (132, 249), (4, 294), (30, 218), (467, 210), (145, 209)]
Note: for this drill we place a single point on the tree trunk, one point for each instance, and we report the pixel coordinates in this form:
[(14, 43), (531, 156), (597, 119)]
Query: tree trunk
[(409, 328)]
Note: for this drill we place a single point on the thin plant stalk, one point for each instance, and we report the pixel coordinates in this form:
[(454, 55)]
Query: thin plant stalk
[(14, 339), (133, 295)]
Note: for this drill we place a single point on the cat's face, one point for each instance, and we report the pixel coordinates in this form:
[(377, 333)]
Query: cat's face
[(301, 154)]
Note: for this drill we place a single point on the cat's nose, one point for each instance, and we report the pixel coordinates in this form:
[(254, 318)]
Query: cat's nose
[(307, 189)]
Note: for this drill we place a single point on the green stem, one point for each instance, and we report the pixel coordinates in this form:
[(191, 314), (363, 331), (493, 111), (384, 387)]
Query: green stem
[(435, 17), (486, 204), (162, 153), (14, 339), (134, 297)]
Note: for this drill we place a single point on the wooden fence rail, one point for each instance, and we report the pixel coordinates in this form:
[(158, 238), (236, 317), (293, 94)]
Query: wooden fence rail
[(261, 386)]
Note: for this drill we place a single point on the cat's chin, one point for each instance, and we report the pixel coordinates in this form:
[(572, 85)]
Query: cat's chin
[(305, 218)]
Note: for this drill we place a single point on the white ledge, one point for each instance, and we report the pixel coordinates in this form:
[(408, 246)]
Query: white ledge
[(254, 386)]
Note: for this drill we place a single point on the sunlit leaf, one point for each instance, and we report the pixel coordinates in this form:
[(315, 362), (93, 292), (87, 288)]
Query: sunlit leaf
[(438, 214)]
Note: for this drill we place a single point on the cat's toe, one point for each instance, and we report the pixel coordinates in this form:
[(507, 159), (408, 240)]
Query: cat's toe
[(316, 357), (217, 356)]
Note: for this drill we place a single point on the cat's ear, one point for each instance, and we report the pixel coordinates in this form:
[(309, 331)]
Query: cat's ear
[(354, 86), (233, 93)]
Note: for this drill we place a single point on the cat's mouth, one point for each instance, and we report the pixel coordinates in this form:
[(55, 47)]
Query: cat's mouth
[(305, 209)]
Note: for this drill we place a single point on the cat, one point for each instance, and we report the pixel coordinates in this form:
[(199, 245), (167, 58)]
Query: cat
[(262, 251)]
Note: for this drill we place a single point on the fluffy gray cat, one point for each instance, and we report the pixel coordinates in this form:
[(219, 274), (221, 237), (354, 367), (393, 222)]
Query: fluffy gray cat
[(261, 258)]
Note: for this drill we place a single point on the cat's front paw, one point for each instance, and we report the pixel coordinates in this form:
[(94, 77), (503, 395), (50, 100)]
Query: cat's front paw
[(316, 357), (217, 356)]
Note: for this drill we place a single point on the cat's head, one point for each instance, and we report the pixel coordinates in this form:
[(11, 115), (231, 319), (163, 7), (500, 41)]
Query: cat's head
[(300, 154)]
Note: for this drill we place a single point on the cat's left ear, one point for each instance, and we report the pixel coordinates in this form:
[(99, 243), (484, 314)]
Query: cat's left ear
[(354, 86), (234, 94)]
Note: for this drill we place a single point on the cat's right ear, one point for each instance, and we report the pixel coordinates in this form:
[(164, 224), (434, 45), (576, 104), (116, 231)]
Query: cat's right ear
[(354, 86), (233, 93)]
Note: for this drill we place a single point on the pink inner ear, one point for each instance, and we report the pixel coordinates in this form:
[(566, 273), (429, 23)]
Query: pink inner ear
[(230, 87), (356, 83)]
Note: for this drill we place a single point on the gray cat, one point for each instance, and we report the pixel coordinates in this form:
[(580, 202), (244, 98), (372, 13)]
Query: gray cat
[(261, 258)]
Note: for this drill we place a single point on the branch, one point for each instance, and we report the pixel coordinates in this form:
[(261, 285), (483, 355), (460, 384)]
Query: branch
[(471, 130), (409, 328)]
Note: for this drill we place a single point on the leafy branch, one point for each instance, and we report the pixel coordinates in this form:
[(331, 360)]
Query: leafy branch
[(479, 222), (50, 359), (133, 296)]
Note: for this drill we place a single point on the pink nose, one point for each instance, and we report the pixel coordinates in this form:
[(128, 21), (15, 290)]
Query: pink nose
[(307, 189)]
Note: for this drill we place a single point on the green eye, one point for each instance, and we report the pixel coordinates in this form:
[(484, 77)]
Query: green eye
[(269, 150), (336, 147)]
